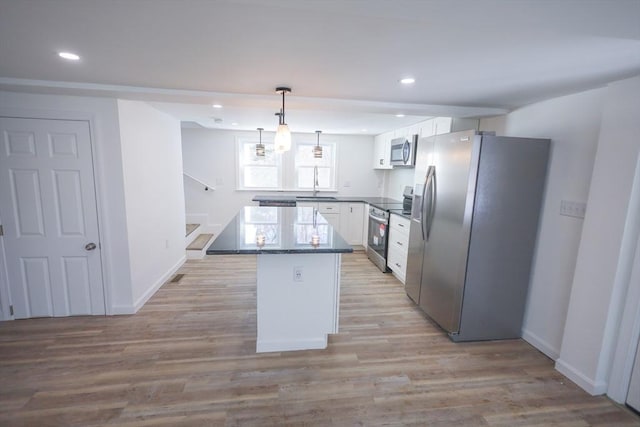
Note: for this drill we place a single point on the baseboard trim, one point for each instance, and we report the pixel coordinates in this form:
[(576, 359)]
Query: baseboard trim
[(594, 388), (119, 310), (266, 346), (153, 289), (540, 344)]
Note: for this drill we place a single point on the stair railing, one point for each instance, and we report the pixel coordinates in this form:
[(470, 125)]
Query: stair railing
[(207, 187)]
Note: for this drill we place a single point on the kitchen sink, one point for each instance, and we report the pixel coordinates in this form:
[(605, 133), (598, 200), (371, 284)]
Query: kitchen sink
[(315, 198)]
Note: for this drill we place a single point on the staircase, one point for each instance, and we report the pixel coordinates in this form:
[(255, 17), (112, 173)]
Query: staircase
[(197, 243)]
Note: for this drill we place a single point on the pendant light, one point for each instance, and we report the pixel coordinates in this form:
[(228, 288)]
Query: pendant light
[(317, 150), (283, 134), (260, 146)]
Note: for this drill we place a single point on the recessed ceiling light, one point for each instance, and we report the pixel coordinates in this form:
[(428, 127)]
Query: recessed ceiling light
[(400, 115), (363, 130), (407, 80), (217, 106), (234, 124), (68, 55)]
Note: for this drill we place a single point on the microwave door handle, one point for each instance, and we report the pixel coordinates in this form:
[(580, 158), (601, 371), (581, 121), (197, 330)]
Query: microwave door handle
[(405, 152)]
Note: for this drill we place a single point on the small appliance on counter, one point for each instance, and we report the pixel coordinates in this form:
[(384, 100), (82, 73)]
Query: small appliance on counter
[(407, 200)]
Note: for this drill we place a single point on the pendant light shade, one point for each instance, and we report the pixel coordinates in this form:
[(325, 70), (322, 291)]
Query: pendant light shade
[(283, 138), (317, 150), (260, 152), (283, 134)]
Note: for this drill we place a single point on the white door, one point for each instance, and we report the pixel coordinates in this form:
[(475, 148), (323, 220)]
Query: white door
[(48, 211)]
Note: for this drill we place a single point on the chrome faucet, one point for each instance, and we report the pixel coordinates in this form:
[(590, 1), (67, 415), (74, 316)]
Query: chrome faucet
[(315, 181)]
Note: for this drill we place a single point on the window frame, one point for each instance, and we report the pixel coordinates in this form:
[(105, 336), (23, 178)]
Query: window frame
[(241, 165), (333, 175), (286, 164)]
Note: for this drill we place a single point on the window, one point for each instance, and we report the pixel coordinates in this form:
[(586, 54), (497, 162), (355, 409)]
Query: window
[(258, 172), (305, 164), (262, 221), (293, 170)]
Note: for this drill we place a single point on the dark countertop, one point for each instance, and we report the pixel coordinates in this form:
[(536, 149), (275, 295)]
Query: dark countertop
[(401, 212), (286, 230), (379, 202)]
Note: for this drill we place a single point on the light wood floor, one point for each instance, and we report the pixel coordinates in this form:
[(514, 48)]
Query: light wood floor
[(188, 358)]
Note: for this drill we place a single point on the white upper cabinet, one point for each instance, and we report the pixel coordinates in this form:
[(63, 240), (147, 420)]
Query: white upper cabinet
[(442, 125), (382, 142), (382, 151)]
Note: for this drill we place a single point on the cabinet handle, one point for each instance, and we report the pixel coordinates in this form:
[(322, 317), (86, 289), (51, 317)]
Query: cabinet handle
[(381, 162), (400, 243), (351, 209), (398, 265), (401, 225)]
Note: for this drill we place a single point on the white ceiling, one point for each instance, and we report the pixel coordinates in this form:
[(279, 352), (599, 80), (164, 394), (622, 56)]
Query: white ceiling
[(342, 58)]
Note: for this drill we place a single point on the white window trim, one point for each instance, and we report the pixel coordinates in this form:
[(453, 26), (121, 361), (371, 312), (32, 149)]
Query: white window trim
[(240, 143), (334, 178), (286, 163)]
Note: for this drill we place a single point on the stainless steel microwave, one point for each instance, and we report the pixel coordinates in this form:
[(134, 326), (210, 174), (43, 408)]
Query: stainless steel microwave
[(403, 151)]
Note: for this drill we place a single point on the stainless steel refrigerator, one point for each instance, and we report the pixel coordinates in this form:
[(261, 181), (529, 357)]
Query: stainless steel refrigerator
[(474, 221)]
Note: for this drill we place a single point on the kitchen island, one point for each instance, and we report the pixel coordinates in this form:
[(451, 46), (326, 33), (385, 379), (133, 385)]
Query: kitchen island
[(298, 273)]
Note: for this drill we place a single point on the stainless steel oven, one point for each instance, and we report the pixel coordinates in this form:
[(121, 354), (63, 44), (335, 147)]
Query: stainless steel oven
[(378, 237)]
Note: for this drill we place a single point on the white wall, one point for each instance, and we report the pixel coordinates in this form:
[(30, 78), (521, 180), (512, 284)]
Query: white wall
[(154, 196), (572, 122), (395, 181), (210, 156), (607, 248), (102, 115)]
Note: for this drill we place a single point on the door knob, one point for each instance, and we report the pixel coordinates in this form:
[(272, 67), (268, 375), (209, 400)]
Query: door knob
[(90, 246)]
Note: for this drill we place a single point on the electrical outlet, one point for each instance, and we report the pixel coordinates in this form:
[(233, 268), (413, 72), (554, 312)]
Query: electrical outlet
[(297, 274), (347, 184), (573, 209)]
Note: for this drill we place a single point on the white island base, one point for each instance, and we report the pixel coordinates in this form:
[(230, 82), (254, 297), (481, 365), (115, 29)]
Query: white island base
[(297, 313)]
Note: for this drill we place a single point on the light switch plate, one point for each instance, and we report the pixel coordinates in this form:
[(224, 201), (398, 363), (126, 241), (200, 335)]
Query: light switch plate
[(572, 208)]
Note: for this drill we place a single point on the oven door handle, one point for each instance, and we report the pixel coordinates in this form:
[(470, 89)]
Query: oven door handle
[(378, 219)]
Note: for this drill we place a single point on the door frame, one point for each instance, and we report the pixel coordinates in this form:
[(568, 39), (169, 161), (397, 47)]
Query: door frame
[(4, 284), (622, 352), (93, 122)]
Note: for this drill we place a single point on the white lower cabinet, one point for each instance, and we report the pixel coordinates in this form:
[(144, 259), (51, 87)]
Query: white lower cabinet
[(331, 212), (346, 218), (398, 246), (351, 222)]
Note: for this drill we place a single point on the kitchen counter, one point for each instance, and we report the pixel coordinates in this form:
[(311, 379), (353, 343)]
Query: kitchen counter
[(384, 203), (401, 212), (298, 273), (280, 230)]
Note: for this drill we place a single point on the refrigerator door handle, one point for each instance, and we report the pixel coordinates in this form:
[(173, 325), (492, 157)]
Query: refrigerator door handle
[(432, 204), (426, 213)]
